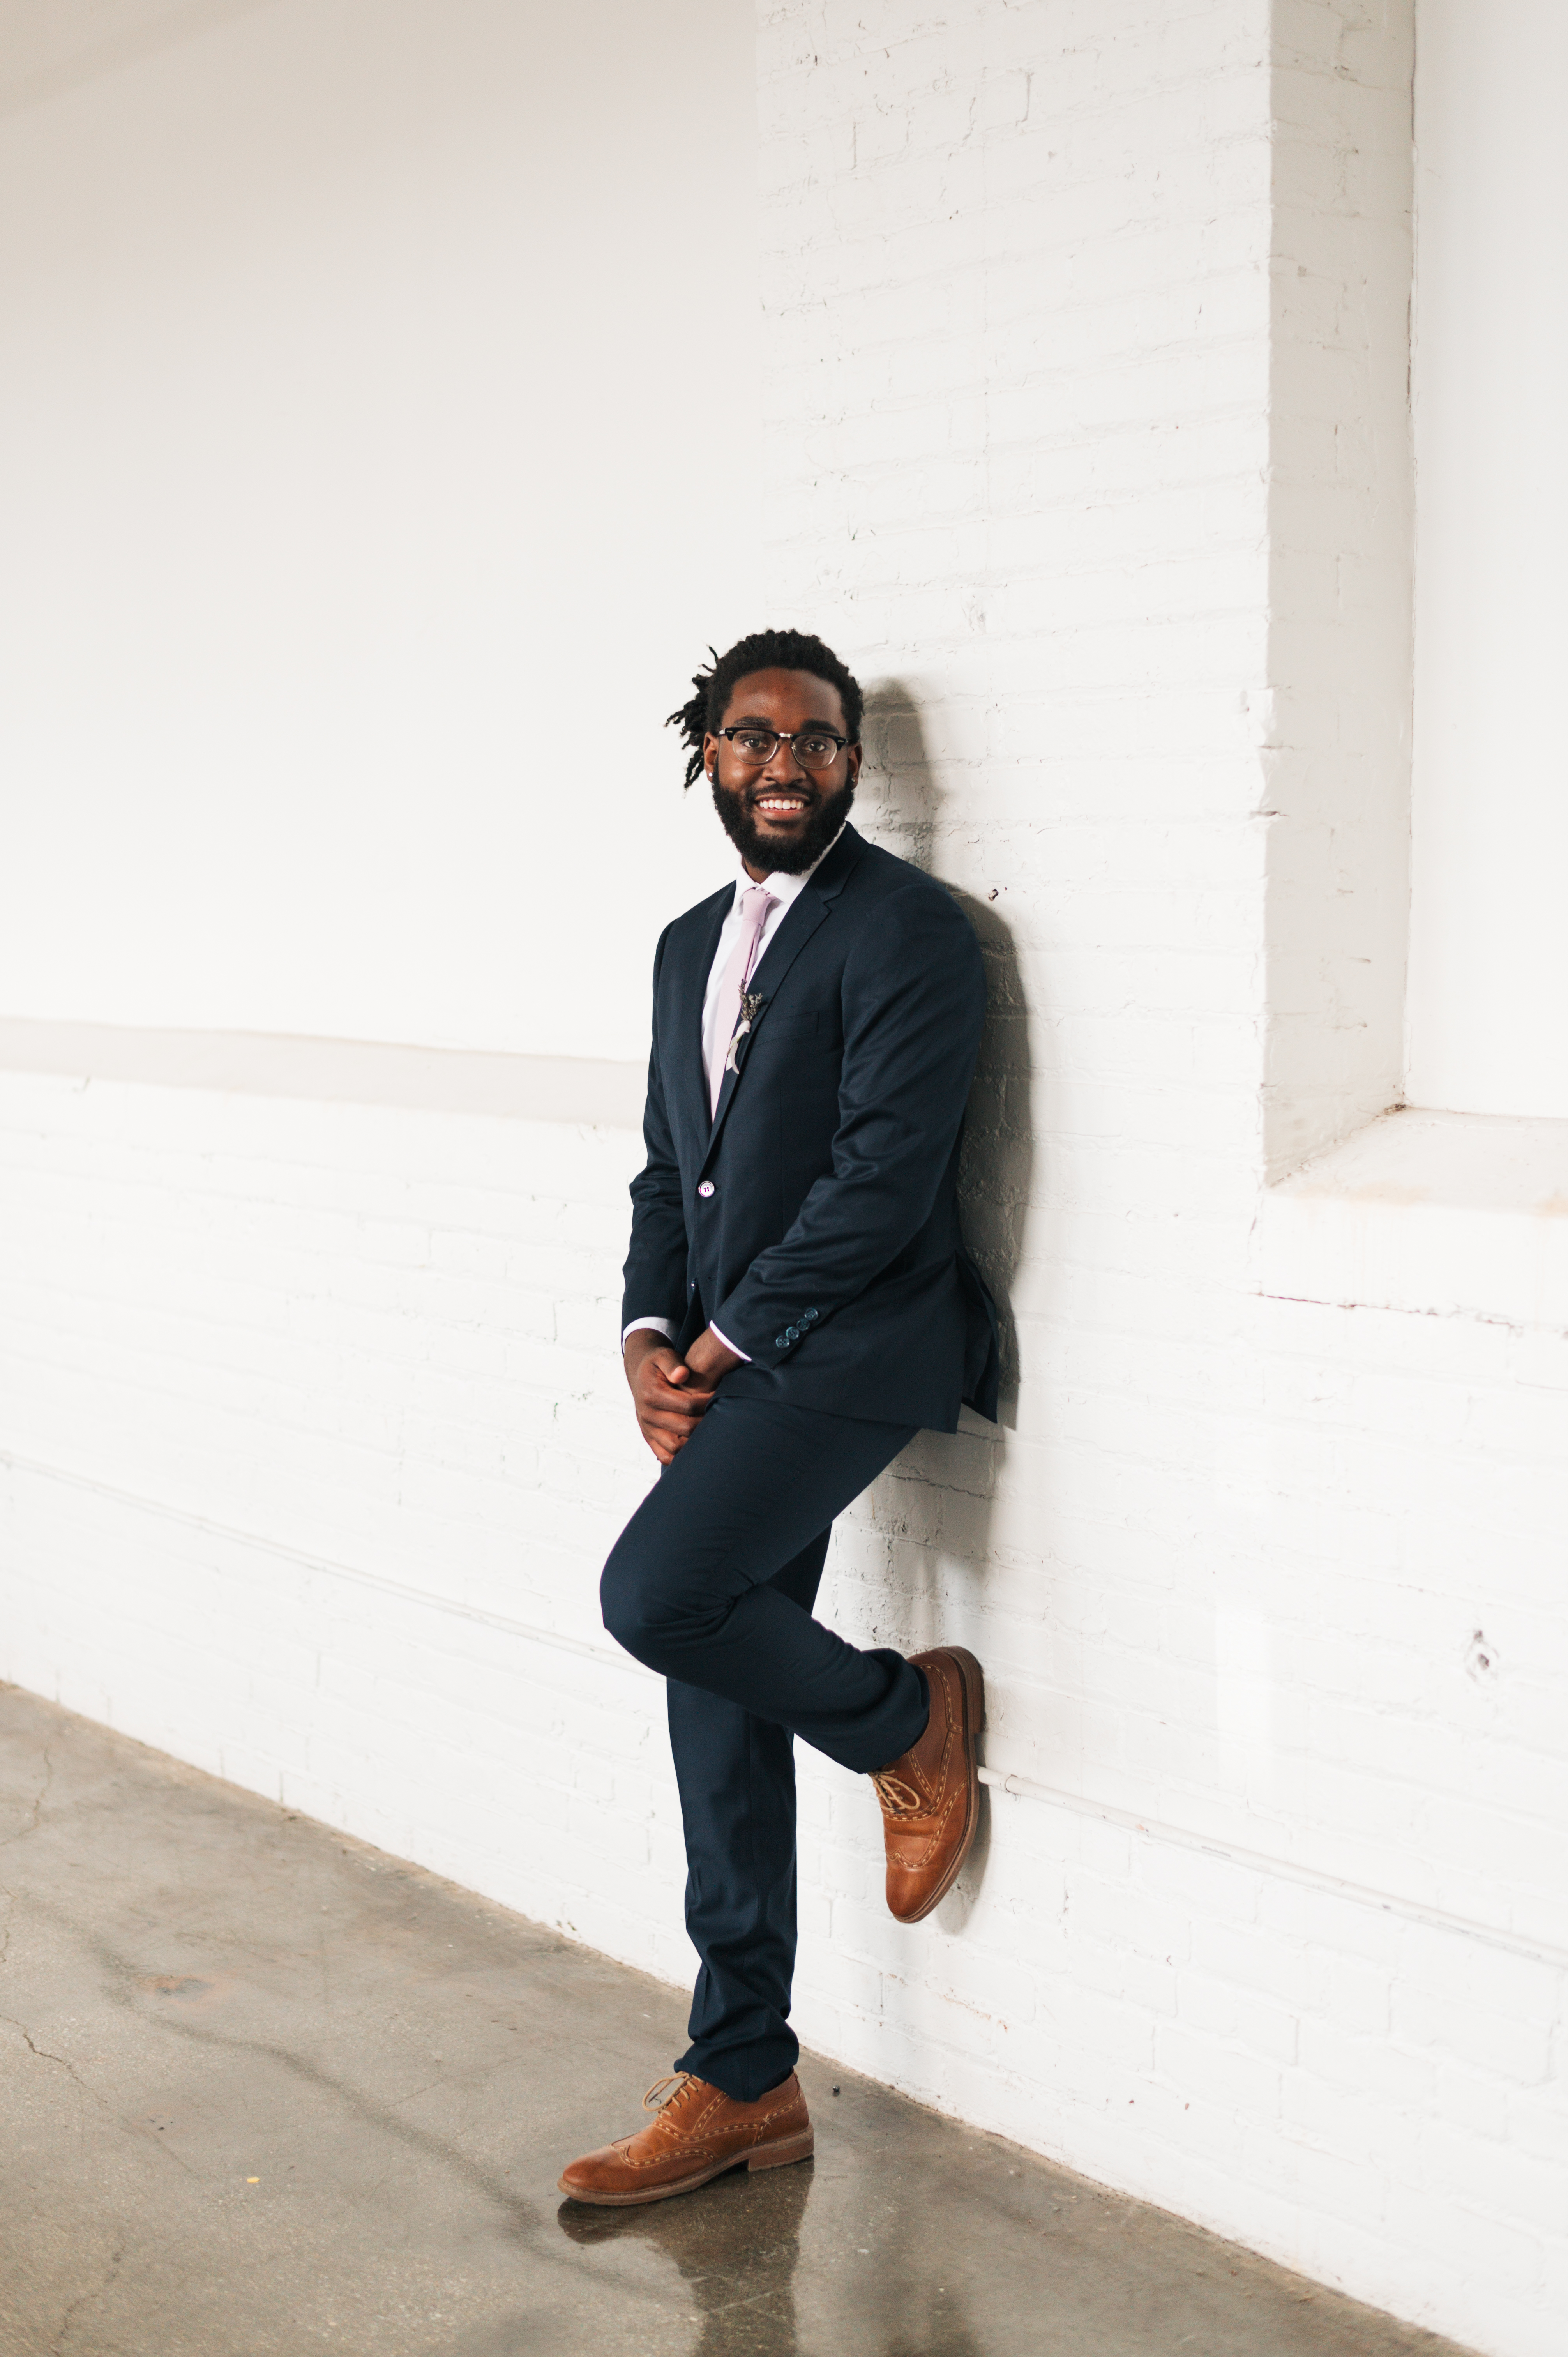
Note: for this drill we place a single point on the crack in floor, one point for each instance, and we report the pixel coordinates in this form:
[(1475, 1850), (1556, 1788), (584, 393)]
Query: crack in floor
[(85, 2299), (36, 1815), (45, 2055)]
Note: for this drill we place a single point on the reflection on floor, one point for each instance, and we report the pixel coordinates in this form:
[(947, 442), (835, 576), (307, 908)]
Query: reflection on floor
[(267, 2091)]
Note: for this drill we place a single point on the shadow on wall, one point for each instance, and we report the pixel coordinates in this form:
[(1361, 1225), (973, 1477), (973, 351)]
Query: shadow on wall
[(900, 804), (938, 1581)]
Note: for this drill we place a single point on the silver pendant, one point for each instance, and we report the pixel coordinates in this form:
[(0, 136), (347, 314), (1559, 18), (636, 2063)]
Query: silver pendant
[(749, 1004)]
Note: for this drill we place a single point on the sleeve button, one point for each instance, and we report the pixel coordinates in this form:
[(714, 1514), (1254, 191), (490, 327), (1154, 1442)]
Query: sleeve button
[(781, 1341)]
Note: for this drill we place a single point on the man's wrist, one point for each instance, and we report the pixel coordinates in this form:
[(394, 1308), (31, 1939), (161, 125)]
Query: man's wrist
[(663, 1327), (710, 1354)]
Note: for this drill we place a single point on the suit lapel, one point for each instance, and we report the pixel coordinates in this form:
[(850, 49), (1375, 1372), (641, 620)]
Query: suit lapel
[(688, 1081)]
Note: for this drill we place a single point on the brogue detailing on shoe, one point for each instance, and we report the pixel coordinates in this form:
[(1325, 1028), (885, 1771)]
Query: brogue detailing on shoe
[(668, 2133), (697, 2132), (676, 2130)]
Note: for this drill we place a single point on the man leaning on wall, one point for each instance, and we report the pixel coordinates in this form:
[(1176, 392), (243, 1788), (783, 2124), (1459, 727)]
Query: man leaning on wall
[(797, 1306)]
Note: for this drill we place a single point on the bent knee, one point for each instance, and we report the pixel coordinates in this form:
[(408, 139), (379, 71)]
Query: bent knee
[(627, 1599), (648, 1607)]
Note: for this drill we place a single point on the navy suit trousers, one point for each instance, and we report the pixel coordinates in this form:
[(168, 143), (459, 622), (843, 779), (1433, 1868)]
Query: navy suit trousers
[(712, 1584)]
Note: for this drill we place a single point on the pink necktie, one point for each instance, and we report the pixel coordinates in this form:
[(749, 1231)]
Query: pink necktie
[(755, 904)]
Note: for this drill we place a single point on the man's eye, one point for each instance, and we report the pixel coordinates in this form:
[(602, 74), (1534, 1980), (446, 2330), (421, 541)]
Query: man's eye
[(751, 742), (817, 748)]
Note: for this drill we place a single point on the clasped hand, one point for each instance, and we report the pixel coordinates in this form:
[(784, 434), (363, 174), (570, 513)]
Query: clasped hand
[(669, 1393)]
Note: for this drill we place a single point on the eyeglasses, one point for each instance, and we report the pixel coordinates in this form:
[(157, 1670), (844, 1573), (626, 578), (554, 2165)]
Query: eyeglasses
[(814, 748)]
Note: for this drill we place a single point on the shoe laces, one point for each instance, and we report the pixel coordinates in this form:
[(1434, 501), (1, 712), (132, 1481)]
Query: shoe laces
[(897, 1797), (676, 2081)]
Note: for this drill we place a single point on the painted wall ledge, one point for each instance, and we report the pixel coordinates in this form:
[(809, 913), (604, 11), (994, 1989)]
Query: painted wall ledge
[(575, 1088), (1445, 1214)]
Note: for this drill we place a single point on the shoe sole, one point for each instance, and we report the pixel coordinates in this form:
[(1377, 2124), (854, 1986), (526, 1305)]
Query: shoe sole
[(974, 1680), (768, 2156)]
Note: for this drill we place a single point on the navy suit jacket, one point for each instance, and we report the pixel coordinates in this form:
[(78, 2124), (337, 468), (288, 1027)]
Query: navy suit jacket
[(815, 1220)]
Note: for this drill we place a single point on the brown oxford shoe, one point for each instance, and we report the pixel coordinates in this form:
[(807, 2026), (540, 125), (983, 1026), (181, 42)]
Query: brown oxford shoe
[(697, 2132), (930, 1796)]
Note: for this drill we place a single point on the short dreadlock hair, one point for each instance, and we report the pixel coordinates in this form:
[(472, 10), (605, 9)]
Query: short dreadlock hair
[(763, 650)]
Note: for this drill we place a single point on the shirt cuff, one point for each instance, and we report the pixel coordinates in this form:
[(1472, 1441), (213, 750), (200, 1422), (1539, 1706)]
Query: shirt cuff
[(665, 1326), (744, 1356)]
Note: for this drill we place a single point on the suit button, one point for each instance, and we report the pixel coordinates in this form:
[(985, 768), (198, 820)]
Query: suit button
[(707, 1187), (781, 1341)]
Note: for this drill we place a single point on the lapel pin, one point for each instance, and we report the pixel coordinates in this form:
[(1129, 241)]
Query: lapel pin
[(750, 1001)]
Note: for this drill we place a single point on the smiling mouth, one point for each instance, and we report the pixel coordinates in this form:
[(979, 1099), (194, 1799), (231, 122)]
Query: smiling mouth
[(780, 805)]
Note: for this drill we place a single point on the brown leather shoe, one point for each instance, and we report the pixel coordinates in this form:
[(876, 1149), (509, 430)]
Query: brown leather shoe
[(930, 1797), (697, 2132)]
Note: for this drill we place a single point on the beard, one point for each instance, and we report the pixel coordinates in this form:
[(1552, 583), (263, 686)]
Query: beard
[(773, 857)]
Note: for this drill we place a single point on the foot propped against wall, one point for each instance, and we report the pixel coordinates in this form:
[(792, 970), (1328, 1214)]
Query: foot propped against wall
[(930, 1796)]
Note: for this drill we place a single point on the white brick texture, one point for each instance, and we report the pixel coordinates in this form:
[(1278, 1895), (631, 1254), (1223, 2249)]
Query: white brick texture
[(313, 1434)]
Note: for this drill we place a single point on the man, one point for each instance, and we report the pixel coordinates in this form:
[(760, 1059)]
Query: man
[(797, 1306)]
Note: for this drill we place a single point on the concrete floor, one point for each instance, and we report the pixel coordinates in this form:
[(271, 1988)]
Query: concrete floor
[(264, 2089)]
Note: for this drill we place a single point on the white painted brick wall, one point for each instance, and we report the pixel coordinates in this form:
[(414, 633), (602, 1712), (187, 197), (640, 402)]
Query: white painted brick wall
[(312, 1435), (1336, 772), (1089, 421), (313, 1444)]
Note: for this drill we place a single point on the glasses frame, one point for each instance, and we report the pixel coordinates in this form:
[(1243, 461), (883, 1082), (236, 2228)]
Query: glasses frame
[(782, 737)]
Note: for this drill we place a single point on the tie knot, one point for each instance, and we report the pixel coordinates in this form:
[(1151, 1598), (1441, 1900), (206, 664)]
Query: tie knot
[(756, 901)]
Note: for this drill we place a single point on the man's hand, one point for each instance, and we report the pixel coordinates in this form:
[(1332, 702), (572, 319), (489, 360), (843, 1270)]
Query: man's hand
[(670, 1394)]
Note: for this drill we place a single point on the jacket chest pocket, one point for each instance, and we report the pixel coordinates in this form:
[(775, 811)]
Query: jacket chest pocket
[(808, 1031)]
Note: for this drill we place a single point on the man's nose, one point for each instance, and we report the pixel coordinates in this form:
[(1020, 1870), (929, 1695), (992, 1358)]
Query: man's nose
[(784, 770)]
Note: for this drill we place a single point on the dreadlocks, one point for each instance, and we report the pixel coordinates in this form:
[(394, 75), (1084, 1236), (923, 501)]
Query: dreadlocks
[(763, 650)]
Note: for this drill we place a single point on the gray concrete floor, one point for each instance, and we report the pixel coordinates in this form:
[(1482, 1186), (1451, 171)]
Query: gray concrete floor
[(263, 2089)]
